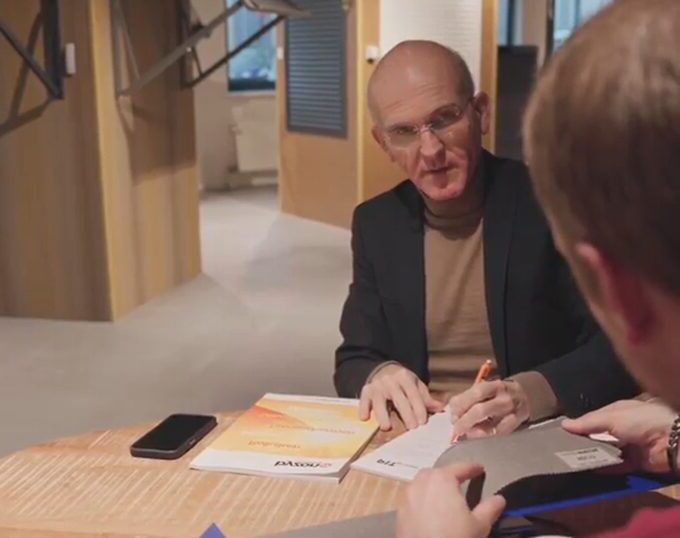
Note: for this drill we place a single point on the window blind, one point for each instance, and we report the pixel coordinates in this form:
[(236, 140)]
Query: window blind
[(315, 69)]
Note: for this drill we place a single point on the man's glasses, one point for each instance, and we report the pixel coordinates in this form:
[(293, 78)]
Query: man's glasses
[(440, 124)]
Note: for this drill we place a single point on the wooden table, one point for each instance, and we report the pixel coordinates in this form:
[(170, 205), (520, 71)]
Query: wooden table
[(89, 485)]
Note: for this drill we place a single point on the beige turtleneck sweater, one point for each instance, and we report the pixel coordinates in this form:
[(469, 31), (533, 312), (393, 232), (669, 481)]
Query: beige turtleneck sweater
[(456, 321)]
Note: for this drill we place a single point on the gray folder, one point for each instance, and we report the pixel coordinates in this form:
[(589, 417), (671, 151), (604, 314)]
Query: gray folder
[(546, 451)]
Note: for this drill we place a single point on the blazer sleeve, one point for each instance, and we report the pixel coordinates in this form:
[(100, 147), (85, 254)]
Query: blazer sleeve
[(591, 375), (365, 335)]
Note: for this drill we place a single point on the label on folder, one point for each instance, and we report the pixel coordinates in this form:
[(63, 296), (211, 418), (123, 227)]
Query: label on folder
[(587, 458)]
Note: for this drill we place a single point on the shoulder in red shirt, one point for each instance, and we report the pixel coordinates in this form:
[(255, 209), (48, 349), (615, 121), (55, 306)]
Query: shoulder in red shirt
[(650, 523)]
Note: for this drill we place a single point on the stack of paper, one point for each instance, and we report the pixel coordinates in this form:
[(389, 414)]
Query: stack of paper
[(291, 436), (417, 449)]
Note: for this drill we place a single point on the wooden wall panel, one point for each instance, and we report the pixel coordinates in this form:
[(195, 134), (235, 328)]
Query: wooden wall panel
[(377, 173), (318, 174), (52, 256), (148, 159), (489, 67), (98, 196)]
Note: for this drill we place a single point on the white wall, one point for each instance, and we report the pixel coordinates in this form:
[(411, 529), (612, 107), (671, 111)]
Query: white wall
[(531, 25), (216, 110), (454, 23)]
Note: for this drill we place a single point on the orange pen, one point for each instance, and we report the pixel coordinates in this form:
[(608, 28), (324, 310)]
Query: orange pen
[(484, 372)]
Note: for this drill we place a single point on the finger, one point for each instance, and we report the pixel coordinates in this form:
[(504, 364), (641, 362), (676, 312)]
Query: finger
[(635, 459), (461, 403), (481, 430), (498, 408), (403, 406), (365, 403), (488, 428), (460, 472), (416, 400), (508, 424), (432, 405), (489, 510), (379, 404), (598, 421)]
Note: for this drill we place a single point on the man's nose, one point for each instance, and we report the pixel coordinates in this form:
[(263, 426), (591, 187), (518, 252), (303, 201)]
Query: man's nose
[(431, 149)]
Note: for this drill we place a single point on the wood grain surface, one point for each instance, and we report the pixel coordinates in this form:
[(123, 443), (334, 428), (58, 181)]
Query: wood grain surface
[(90, 486)]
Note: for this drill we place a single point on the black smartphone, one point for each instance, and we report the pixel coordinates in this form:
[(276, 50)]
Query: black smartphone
[(173, 437)]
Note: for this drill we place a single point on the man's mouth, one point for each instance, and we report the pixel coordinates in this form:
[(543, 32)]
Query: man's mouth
[(440, 170)]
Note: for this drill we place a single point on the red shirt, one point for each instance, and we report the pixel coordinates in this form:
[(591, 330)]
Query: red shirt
[(650, 523)]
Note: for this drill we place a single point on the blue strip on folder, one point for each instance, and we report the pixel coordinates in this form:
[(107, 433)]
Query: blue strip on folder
[(633, 483)]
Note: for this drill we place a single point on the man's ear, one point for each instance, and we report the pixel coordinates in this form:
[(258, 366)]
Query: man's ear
[(482, 107), (618, 293), (379, 137)]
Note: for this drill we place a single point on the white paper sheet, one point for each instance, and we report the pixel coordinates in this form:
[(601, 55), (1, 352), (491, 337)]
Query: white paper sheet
[(417, 449)]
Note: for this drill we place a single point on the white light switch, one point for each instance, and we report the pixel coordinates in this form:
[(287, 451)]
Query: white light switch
[(372, 53), (70, 59)]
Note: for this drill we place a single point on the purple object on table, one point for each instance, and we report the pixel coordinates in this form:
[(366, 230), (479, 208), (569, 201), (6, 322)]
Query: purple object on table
[(213, 532)]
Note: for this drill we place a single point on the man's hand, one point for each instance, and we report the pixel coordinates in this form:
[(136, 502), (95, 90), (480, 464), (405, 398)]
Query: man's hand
[(401, 388), (642, 427), (489, 408), (433, 506)]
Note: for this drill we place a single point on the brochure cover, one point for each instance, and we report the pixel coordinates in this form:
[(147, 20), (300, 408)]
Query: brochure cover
[(291, 436)]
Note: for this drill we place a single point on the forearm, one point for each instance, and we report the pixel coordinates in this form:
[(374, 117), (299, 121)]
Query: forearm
[(588, 377)]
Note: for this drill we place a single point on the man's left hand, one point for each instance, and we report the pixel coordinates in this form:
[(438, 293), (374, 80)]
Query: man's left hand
[(433, 505), (642, 427), (489, 408)]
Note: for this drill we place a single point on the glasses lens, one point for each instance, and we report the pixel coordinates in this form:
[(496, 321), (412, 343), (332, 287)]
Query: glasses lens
[(446, 117), (403, 135)]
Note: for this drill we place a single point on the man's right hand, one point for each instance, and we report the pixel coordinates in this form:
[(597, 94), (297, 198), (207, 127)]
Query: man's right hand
[(408, 395)]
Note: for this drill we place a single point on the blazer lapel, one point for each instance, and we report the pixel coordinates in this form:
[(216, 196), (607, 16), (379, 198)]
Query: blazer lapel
[(499, 214), (411, 272)]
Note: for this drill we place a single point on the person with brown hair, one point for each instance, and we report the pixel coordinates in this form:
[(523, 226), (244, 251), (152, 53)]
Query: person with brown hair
[(602, 139)]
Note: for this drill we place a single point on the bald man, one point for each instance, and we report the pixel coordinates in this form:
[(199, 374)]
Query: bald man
[(456, 266)]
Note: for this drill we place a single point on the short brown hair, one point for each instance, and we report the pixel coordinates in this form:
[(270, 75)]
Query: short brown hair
[(602, 137)]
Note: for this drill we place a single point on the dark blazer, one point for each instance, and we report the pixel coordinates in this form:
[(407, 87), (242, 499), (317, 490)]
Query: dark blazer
[(537, 317)]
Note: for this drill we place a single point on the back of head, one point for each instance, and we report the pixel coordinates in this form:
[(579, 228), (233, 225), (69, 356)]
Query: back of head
[(602, 137)]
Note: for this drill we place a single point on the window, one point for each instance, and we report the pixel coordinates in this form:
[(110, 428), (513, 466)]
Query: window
[(254, 68), (506, 22), (571, 13)]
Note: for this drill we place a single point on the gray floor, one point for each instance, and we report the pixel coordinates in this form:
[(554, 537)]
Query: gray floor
[(263, 317)]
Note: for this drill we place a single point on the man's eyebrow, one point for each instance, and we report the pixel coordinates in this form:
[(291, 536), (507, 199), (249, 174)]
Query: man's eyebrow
[(439, 109), (399, 125)]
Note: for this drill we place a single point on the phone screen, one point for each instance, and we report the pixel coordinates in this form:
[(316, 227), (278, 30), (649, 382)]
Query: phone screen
[(173, 432)]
